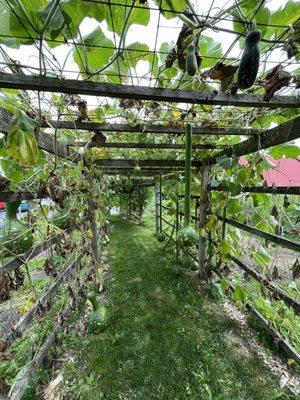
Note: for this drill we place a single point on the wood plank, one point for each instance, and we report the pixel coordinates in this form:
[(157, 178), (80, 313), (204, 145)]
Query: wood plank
[(149, 128), (90, 88), (280, 134), (156, 163), (170, 146)]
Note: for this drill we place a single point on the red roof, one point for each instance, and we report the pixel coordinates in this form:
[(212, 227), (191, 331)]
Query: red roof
[(286, 172)]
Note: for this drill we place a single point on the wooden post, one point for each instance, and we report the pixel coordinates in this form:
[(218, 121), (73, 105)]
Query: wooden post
[(177, 228), (203, 207), (156, 208)]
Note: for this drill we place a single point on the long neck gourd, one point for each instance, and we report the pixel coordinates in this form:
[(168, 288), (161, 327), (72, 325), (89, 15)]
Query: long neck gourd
[(188, 166), (96, 319)]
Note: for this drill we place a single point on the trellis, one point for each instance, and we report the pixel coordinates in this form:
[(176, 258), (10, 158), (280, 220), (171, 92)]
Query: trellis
[(258, 139)]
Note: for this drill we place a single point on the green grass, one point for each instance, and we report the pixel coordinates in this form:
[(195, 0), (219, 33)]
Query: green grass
[(164, 341)]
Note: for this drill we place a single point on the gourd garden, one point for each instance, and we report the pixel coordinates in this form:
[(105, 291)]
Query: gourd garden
[(145, 253)]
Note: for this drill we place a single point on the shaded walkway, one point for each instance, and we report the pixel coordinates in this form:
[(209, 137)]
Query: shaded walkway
[(164, 341)]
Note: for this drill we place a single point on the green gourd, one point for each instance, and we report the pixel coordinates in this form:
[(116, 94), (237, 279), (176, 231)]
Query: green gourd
[(187, 262), (137, 172), (96, 319), (248, 67), (187, 235), (128, 185), (15, 236), (161, 237), (191, 64)]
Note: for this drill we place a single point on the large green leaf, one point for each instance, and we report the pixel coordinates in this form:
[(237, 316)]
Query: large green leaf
[(93, 57), (288, 150), (171, 8), (286, 14), (209, 48), (115, 15)]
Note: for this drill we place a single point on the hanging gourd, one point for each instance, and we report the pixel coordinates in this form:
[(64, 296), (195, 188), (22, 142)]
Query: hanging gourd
[(96, 319), (187, 236), (15, 236), (161, 237), (248, 67), (191, 65), (137, 172)]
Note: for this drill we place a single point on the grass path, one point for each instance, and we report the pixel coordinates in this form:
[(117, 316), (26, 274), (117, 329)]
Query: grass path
[(164, 341)]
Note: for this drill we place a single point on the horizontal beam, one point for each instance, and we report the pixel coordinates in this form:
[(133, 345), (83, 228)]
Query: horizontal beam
[(159, 163), (265, 235), (280, 134), (170, 146), (291, 190), (276, 291), (74, 86), (146, 128)]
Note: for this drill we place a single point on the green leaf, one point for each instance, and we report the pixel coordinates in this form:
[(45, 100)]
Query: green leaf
[(286, 14), (235, 188), (115, 16), (224, 162), (24, 122), (177, 6), (225, 250), (209, 48), (261, 256), (288, 150), (10, 169), (239, 294), (95, 58)]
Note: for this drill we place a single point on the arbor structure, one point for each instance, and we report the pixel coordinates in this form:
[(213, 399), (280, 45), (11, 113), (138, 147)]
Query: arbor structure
[(105, 137)]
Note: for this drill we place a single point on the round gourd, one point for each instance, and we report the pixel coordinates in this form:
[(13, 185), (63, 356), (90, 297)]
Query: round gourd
[(161, 237), (248, 67), (188, 236), (15, 236), (137, 172), (96, 319), (191, 64)]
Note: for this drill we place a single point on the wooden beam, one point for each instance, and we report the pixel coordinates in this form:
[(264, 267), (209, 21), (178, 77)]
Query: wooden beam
[(156, 146), (283, 133), (159, 163), (74, 86), (146, 128), (290, 190)]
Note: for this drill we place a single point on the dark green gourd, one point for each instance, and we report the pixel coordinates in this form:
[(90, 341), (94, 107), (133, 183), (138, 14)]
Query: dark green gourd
[(137, 171), (15, 236), (187, 235), (96, 319), (249, 63), (191, 65)]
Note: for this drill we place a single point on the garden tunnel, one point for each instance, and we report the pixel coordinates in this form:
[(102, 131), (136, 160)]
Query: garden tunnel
[(177, 136)]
